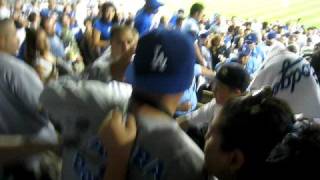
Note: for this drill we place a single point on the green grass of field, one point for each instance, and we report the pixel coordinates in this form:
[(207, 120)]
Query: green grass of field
[(269, 10)]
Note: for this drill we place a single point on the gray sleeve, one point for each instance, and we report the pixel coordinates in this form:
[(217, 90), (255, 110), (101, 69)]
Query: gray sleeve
[(27, 87), (67, 100)]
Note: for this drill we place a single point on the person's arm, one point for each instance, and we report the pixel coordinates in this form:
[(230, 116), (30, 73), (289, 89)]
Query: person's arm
[(199, 56), (208, 73), (17, 147), (197, 117), (118, 68), (96, 40), (118, 138)]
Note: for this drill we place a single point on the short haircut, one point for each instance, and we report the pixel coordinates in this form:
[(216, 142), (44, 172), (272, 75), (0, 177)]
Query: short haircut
[(195, 8), (254, 125), (118, 30), (32, 17), (4, 26)]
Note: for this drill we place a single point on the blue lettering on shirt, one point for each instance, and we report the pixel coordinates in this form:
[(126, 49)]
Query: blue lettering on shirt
[(149, 166), (289, 80), (80, 164)]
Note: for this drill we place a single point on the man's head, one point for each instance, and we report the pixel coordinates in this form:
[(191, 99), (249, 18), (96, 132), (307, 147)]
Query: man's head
[(152, 6), (52, 4), (122, 39), (252, 40), (244, 54), (48, 23), (161, 69), (9, 42), (231, 80), (240, 140), (196, 11)]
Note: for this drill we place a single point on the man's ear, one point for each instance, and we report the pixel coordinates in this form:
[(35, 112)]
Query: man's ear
[(237, 160)]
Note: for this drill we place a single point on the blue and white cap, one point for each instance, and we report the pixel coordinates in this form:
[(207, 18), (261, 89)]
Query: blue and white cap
[(164, 62)]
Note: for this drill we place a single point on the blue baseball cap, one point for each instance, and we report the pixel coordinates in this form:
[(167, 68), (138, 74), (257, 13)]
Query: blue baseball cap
[(271, 35), (164, 62), (251, 38), (154, 4), (244, 51)]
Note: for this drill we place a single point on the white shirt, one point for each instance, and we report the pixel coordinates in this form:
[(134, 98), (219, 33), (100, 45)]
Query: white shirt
[(191, 25), (205, 114)]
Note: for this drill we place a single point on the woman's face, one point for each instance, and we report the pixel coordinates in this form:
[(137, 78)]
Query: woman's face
[(109, 14)]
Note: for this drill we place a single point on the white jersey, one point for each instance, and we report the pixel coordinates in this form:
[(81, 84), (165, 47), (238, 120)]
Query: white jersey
[(79, 107), (292, 80)]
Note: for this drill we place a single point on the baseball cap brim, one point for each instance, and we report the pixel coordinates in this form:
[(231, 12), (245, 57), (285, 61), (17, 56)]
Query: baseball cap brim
[(166, 84)]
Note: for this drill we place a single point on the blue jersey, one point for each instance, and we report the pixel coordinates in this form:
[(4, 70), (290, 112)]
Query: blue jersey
[(104, 28), (190, 95), (143, 22)]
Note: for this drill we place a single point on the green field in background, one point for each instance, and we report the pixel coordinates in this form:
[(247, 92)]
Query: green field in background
[(269, 10)]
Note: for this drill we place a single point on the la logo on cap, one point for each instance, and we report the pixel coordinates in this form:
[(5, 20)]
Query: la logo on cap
[(159, 61)]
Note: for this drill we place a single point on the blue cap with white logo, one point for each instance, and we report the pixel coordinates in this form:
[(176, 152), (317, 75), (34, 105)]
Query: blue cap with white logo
[(164, 62), (251, 38)]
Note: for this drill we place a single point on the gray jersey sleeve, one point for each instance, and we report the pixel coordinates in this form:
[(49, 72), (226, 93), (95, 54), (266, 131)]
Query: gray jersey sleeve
[(79, 106)]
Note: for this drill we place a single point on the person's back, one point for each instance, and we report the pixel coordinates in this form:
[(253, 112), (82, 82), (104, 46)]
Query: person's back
[(161, 150)]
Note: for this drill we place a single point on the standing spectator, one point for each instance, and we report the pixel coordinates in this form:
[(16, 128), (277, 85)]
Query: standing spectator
[(144, 18), (174, 18), (102, 26), (191, 26)]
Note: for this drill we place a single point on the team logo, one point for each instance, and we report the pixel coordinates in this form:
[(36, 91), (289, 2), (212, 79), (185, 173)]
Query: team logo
[(159, 61)]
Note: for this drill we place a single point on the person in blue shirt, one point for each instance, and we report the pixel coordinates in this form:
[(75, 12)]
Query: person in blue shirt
[(144, 17), (174, 18), (102, 26), (257, 55), (188, 101)]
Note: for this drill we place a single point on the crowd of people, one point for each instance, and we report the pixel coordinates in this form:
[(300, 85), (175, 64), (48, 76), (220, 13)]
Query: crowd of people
[(111, 95)]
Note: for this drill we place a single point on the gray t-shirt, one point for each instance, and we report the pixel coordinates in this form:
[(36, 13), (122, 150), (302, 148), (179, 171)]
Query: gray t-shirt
[(20, 88), (164, 152)]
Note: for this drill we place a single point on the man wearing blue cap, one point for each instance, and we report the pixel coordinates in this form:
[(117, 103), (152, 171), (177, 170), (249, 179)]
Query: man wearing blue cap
[(144, 17), (257, 55), (162, 150)]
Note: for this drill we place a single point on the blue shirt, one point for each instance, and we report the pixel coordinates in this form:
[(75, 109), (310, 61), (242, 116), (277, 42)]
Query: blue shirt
[(104, 28), (57, 48), (190, 95), (143, 22)]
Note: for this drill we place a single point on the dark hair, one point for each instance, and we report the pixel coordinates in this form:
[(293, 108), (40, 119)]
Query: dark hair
[(254, 125), (196, 7), (32, 17), (292, 48), (315, 62), (31, 46), (296, 157), (103, 9)]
